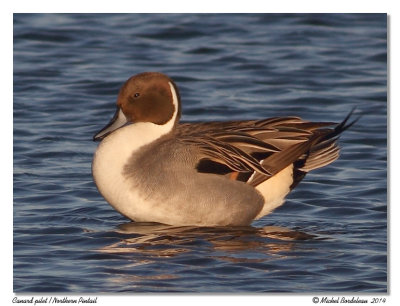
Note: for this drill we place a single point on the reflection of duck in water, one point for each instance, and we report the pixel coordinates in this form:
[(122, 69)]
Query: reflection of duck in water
[(165, 240), (202, 174)]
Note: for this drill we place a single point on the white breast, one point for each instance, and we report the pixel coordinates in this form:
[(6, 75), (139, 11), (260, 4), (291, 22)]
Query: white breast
[(109, 161)]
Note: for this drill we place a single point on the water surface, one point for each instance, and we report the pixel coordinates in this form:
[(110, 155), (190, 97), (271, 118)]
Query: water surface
[(330, 236)]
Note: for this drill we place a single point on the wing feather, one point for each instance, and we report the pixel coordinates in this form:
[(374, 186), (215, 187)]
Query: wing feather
[(261, 148)]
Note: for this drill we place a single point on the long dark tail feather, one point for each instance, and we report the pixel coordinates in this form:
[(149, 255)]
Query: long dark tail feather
[(341, 127), (325, 147)]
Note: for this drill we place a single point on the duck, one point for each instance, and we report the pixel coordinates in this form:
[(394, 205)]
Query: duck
[(150, 167)]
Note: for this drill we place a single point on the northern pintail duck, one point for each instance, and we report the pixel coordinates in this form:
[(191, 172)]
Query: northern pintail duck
[(204, 174)]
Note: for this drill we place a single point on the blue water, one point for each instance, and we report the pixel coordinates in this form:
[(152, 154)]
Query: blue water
[(330, 236)]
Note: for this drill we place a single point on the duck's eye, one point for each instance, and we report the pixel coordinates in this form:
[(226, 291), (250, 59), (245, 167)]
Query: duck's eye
[(136, 95)]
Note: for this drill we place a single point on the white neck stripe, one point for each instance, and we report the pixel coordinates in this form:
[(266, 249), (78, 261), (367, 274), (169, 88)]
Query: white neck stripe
[(174, 101)]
